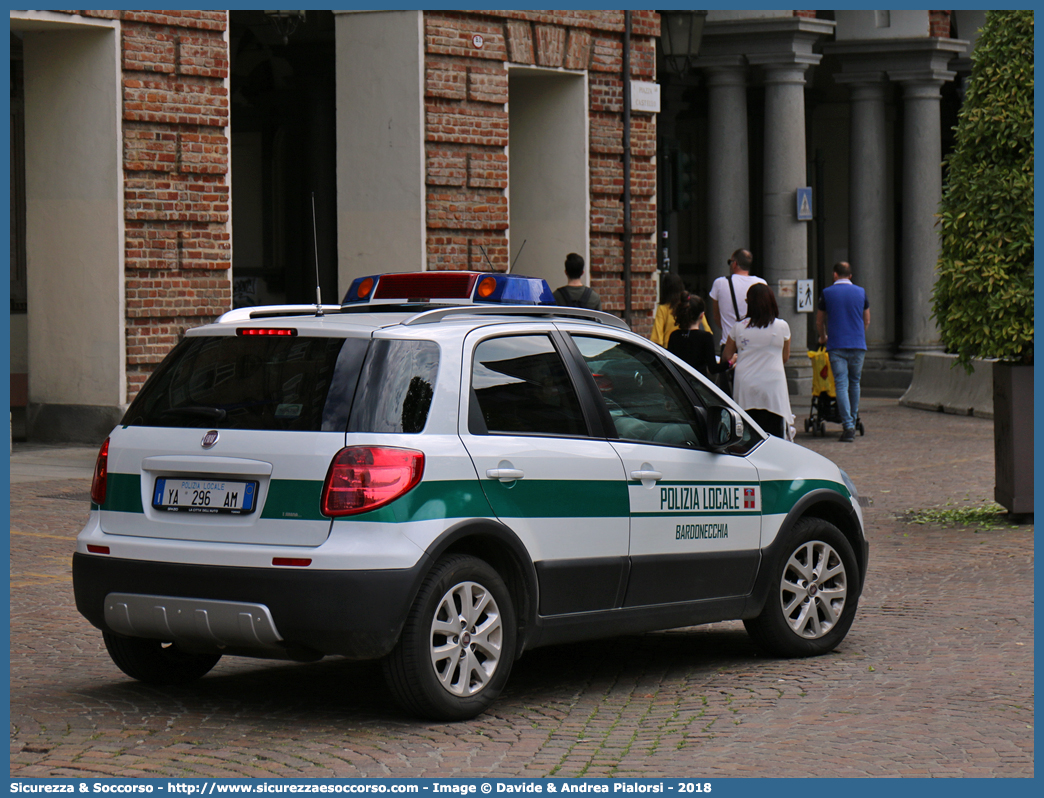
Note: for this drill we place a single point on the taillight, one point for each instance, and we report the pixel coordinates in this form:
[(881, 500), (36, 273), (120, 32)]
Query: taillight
[(363, 478), (101, 472)]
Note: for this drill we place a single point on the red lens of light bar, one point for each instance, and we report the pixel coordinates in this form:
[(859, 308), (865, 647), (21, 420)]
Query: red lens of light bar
[(277, 331), (486, 287), (426, 285), (300, 562)]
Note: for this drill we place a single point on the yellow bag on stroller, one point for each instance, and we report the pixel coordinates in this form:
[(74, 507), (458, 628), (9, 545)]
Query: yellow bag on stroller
[(822, 376), (824, 395)]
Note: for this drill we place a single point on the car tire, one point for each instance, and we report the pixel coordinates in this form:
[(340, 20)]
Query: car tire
[(156, 662), (458, 643), (813, 593)]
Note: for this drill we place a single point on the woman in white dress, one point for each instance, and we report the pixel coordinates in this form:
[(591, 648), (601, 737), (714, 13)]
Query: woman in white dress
[(761, 343)]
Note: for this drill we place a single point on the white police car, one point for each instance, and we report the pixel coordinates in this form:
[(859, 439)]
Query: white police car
[(444, 472)]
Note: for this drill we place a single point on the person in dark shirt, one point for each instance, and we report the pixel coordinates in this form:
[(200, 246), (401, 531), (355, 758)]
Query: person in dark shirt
[(691, 343), (574, 293)]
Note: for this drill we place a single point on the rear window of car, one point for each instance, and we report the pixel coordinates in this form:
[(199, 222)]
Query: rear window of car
[(252, 382), (310, 384)]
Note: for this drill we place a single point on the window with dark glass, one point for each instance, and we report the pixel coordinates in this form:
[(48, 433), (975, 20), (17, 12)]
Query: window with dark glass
[(257, 382), (520, 386), (396, 387), (710, 399), (644, 399)]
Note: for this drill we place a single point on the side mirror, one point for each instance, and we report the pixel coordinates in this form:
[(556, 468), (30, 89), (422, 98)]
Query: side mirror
[(723, 427)]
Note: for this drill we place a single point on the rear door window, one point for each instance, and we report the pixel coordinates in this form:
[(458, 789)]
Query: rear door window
[(520, 386)]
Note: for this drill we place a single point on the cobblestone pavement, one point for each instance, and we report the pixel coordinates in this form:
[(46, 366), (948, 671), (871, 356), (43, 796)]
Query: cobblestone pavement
[(935, 678)]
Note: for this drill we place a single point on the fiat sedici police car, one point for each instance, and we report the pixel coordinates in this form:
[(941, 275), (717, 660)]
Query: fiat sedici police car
[(443, 472)]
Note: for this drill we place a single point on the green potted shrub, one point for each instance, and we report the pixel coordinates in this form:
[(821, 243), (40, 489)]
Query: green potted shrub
[(983, 298)]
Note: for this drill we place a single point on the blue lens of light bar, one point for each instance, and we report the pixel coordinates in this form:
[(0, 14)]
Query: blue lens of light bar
[(514, 289)]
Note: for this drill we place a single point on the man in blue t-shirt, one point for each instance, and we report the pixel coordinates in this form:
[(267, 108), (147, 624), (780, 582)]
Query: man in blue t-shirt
[(842, 319)]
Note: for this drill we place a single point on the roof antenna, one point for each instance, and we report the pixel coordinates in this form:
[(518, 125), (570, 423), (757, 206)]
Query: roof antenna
[(487, 258), (315, 245), (511, 265)]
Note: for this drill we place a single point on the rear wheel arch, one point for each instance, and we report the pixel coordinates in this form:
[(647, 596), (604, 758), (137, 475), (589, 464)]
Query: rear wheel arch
[(458, 644), (498, 545)]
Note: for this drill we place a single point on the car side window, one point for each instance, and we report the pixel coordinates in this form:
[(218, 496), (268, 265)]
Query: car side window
[(519, 385), (644, 399), (396, 387), (710, 399)]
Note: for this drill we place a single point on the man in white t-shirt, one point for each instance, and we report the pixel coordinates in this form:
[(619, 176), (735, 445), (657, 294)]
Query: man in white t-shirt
[(730, 304)]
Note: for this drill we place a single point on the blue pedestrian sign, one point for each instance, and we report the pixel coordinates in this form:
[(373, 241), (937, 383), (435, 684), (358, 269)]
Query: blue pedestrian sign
[(804, 204)]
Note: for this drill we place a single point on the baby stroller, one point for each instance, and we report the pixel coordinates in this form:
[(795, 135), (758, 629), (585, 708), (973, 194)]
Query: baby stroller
[(824, 396)]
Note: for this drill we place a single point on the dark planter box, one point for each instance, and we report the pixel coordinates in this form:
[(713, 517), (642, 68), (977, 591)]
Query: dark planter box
[(1013, 436)]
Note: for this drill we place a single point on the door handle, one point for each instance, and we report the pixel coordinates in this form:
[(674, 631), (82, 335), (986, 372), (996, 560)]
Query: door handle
[(642, 476), (505, 474)]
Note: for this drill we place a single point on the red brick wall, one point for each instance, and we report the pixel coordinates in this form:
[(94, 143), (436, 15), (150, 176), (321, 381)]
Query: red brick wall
[(939, 24), (466, 89), (176, 163), (176, 156)]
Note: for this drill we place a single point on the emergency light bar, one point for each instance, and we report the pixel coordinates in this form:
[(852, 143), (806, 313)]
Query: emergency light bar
[(449, 288)]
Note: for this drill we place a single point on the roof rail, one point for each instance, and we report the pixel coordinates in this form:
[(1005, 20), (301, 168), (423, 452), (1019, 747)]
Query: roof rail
[(581, 314)]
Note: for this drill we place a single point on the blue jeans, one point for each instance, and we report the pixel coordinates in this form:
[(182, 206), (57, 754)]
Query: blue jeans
[(847, 365)]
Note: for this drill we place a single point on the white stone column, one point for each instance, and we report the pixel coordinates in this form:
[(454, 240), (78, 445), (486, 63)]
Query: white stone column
[(922, 191), (728, 209), (785, 239), (783, 47), (920, 66), (868, 184), (381, 196)]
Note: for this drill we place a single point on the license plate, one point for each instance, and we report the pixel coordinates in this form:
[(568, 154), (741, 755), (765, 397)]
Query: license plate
[(204, 496)]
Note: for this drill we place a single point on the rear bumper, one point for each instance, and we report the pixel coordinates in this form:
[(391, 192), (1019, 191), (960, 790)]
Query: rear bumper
[(358, 614)]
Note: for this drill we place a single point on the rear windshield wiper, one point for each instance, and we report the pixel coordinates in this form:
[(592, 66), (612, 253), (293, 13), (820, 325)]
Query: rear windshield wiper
[(212, 413)]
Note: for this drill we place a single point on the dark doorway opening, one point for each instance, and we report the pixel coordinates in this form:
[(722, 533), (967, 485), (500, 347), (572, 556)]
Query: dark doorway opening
[(283, 152)]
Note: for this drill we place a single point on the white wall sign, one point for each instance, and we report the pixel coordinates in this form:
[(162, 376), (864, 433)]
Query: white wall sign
[(645, 96), (805, 303)]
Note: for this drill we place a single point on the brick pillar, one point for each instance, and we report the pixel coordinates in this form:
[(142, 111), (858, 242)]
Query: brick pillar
[(176, 180)]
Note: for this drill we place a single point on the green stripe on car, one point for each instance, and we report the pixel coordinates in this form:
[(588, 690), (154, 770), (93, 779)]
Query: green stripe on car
[(300, 499), (778, 496)]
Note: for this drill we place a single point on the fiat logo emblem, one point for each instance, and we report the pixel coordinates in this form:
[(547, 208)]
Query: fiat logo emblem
[(210, 439)]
